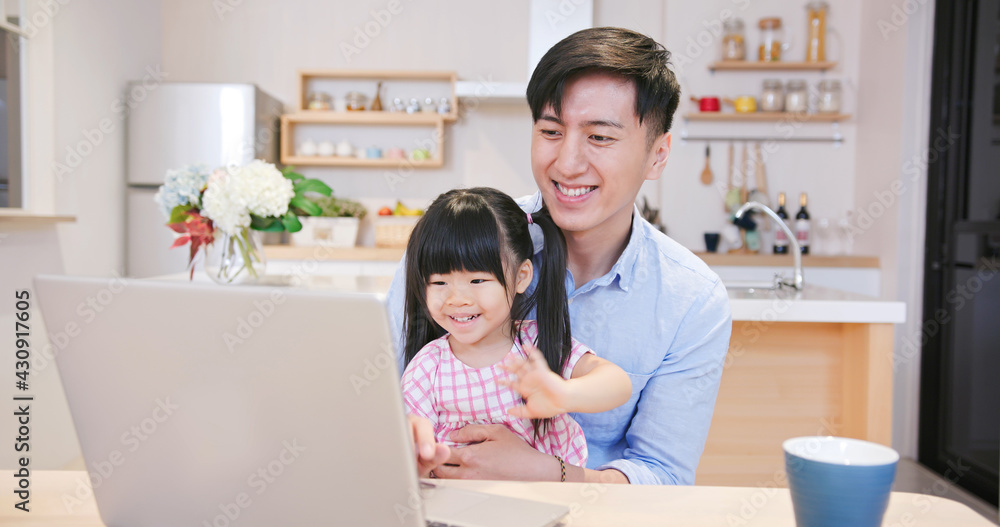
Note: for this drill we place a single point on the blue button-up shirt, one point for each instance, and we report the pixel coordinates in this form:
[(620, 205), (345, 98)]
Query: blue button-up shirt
[(663, 316)]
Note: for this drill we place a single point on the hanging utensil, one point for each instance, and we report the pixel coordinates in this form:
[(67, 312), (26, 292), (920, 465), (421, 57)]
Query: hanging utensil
[(733, 198), (729, 178), (706, 175), (759, 193)]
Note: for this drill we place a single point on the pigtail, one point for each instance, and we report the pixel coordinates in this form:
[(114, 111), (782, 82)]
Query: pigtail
[(551, 309), (549, 302)]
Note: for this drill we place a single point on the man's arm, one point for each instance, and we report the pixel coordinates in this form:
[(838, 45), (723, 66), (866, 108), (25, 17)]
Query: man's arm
[(395, 302), (667, 434)]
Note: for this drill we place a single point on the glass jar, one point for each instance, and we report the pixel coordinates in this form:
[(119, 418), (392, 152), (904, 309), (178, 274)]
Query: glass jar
[(816, 39), (318, 100), (733, 40), (771, 37), (355, 101), (796, 96), (829, 97), (772, 97)]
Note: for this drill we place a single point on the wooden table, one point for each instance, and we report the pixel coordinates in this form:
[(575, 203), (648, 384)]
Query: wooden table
[(54, 493)]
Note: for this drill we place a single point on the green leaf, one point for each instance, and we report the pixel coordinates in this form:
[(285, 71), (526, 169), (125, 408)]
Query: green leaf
[(291, 222), (306, 205), (290, 173), (312, 185), (179, 214), (270, 224)]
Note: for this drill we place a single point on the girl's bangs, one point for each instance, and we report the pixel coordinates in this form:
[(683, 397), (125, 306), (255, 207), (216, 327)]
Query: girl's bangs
[(462, 240)]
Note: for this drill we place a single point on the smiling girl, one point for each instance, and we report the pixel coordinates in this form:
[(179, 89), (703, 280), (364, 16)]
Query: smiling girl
[(473, 354)]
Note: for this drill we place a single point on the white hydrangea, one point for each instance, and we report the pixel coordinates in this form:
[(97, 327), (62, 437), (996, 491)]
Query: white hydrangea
[(268, 191), (232, 195)]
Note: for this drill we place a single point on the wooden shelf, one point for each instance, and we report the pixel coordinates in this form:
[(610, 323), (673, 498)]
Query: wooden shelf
[(296, 252), (333, 161), (366, 117), (308, 75), (289, 122), (785, 260), (26, 217), (768, 117), (752, 65)]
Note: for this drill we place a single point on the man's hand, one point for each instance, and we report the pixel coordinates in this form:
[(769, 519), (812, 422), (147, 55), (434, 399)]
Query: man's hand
[(430, 454), (496, 453), (545, 393)]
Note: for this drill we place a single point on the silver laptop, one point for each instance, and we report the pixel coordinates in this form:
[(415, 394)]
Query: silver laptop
[(202, 405)]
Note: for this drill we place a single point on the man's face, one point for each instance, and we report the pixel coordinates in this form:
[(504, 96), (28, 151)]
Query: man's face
[(590, 161)]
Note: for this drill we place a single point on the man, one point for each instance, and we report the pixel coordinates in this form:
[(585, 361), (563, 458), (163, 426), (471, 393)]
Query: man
[(602, 101)]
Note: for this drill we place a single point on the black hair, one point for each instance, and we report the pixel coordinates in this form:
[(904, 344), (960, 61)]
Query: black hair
[(622, 52), (484, 230)]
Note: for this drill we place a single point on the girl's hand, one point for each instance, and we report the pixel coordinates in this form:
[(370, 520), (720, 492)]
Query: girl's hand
[(545, 393), (430, 453)]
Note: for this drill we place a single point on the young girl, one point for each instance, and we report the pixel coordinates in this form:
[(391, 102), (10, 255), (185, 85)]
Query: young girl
[(471, 355)]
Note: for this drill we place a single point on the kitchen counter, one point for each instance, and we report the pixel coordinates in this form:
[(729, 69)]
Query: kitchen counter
[(813, 362), (812, 304)]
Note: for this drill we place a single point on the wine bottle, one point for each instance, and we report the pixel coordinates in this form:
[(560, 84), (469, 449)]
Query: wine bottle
[(780, 238), (802, 225)]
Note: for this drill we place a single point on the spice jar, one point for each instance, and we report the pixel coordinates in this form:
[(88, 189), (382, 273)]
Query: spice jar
[(816, 40), (772, 97), (429, 106), (318, 100), (771, 36), (355, 101), (733, 41), (829, 97), (796, 97)]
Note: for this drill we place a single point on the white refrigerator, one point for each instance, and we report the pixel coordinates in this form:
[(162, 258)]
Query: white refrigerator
[(179, 124)]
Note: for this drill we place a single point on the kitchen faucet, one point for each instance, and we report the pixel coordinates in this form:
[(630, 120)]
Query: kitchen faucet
[(792, 240)]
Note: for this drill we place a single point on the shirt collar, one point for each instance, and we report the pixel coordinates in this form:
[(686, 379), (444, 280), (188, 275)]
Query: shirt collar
[(621, 272)]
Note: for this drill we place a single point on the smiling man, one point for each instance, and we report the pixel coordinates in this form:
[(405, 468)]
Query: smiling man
[(602, 101)]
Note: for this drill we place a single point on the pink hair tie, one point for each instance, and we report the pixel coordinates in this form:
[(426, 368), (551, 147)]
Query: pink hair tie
[(530, 221)]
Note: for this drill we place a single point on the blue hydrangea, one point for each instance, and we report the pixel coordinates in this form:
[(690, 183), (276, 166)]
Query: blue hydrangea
[(181, 186)]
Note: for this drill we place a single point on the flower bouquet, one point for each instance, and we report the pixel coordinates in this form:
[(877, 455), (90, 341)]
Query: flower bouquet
[(222, 212)]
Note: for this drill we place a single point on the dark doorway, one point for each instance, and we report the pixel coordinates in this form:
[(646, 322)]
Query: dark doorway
[(960, 371)]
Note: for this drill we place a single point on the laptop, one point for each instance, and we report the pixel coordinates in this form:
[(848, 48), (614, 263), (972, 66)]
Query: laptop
[(206, 405)]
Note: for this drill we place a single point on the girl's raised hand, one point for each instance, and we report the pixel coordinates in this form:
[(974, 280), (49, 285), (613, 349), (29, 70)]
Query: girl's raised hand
[(545, 393)]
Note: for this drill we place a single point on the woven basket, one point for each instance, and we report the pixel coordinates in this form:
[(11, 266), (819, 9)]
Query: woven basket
[(394, 231)]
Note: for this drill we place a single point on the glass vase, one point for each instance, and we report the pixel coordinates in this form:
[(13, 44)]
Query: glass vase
[(237, 258)]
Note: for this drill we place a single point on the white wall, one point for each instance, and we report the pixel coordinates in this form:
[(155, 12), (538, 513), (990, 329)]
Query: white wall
[(78, 63)]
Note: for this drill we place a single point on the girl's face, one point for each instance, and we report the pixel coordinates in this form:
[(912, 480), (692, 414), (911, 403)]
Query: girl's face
[(473, 306)]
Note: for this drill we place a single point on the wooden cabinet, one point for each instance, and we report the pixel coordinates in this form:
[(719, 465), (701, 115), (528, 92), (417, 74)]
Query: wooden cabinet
[(363, 129)]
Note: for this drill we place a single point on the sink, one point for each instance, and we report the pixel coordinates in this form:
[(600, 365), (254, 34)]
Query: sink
[(749, 285)]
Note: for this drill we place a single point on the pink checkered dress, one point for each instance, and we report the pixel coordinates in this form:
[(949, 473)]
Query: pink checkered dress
[(438, 386)]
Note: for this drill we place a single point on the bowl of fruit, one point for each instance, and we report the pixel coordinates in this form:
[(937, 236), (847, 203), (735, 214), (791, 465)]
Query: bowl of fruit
[(394, 225)]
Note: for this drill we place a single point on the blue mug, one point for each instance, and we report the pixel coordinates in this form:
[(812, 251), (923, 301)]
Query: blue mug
[(836, 481)]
